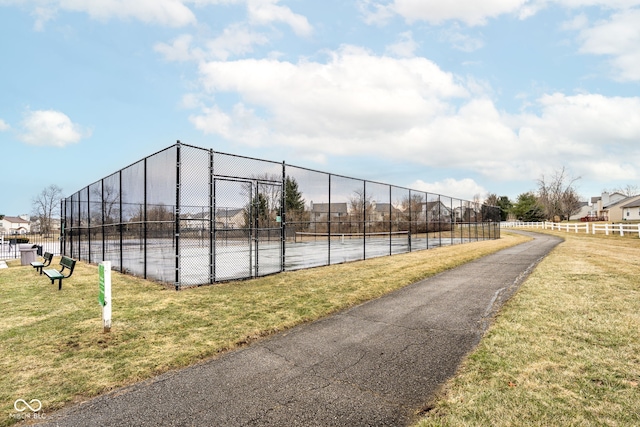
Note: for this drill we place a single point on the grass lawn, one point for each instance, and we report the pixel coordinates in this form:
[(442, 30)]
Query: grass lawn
[(564, 351), (53, 347)]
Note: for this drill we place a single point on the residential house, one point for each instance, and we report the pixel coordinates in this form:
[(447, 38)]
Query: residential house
[(15, 225), (435, 211), (603, 204), (465, 214), (230, 218), (609, 207), (585, 211), (322, 212), (631, 210), (382, 211)]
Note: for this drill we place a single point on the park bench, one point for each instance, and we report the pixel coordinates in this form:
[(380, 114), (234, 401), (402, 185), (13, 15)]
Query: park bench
[(39, 265), (53, 274)]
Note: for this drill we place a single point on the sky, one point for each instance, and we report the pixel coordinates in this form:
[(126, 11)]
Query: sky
[(462, 97)]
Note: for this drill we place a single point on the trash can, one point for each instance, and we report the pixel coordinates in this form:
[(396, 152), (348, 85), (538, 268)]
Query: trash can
[(38, 249), (27, 254)]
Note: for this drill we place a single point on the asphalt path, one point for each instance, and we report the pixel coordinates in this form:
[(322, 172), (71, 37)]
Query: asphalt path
[(377, 364)]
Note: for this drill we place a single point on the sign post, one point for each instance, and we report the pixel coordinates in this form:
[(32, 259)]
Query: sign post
[(104, 298)]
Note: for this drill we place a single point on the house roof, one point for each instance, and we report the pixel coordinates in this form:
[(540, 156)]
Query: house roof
[(15, 219), (324, 207), (632, 204), (385, 207), (434, 204), (624, 202)]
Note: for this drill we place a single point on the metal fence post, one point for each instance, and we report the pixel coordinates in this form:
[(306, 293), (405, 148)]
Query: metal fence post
[(145, 235), (212, 220), (102, 206), (329, 225), (120, 225), (283, 216), (177, 218), (364, 219)]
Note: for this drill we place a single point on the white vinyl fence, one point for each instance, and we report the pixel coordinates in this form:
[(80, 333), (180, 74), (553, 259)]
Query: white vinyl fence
[(583, 227)]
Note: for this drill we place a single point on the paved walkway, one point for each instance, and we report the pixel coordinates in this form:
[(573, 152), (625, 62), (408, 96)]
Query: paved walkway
[(375, 364)]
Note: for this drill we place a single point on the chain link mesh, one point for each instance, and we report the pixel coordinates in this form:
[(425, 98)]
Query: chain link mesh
[(190, 216)]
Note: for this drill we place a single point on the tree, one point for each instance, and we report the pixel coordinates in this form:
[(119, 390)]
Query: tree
[(501, 202), (628, 190), (295, 205), (46, 206), (109, 196), (528, 209), (557, 195), (293, 201), (256, 213), (570, 203), (360, 208)]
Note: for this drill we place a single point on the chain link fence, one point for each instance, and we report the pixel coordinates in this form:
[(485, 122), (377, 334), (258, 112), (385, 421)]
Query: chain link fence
[(189, 216)]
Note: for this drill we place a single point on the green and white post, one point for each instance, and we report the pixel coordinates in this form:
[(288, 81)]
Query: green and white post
[(104, 298)]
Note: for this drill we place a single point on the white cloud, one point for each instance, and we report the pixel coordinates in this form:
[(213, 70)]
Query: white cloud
[(179, 50), (466, 188), (595, 135), (267, 11), (471, 12), (354, 95), (172, 13), (461, 41), (50, 128), (4, 126), (236, 40), (619, 38), (375, 13), (410, 110), (605, 4), (403, 48)]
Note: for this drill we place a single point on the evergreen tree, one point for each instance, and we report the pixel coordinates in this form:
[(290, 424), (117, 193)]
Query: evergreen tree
[(528, 209), (293, 198)]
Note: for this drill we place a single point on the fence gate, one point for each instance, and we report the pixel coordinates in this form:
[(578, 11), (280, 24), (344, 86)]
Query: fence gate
[(247, 233)]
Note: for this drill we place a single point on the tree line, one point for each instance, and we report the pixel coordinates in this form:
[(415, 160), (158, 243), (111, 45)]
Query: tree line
[(555, 198)]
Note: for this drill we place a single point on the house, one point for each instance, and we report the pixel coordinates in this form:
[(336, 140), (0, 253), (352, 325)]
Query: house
[(230, 218), (585, 211), (381, 212), (435, 211), (321, 212), (603, 204), (614, 207), (631, 210), (465, 214), (15, 224), (225, 218)]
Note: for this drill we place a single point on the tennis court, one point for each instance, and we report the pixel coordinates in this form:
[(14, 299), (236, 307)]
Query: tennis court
[(190, 216)]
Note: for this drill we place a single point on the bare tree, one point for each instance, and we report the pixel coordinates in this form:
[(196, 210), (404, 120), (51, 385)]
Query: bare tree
[(558, 195), (109, 196), (628, 190), (46, 206), (360, 208)]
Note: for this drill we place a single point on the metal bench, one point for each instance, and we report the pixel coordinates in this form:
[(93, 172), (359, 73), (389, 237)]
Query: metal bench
[(53, 274), (39, 265)]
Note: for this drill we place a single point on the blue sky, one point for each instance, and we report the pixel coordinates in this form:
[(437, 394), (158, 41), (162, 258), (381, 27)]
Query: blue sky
[(462, 98)]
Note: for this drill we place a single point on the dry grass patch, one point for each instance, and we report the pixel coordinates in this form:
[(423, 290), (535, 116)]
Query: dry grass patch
[(53, 347), (564, 351)]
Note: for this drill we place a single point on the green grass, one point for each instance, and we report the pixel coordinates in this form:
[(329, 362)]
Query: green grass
[(565, 350), (53, 347)]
